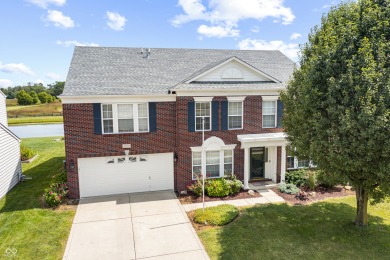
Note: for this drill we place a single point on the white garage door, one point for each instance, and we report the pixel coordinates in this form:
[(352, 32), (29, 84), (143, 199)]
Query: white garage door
[(125, 174)]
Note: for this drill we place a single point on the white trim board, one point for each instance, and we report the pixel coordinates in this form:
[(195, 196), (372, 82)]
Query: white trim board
[(118, 99)]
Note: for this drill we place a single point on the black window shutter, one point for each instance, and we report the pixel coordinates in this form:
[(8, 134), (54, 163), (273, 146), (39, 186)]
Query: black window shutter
[(152, 117), (280, 113), (215, 106), (97, 118), (191, 116), (224, 115)]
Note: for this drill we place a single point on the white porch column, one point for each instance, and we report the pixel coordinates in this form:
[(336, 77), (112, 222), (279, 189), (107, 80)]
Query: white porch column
[(283, 164), (246, 168)]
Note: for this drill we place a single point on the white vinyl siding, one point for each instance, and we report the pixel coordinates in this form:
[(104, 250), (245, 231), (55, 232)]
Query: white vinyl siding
[(202, 109), (269, 114), (125, 118), (10, 166), (235, 111), (3, 111)]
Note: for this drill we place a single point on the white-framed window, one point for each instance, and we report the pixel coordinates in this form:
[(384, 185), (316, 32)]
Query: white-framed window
[(269, 114), (202, 109), (235, 114), (108, 118), (217, 164), (290, 162), (125, 118), (293, 162)]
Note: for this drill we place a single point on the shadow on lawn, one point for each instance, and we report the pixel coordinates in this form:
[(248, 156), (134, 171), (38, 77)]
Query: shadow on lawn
[(317, 231), (28, 194)]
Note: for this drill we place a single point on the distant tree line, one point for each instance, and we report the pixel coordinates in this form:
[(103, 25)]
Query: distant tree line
[(33, 94)]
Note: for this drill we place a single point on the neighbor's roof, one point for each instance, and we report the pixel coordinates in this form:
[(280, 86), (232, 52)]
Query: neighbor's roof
[(125, 71)]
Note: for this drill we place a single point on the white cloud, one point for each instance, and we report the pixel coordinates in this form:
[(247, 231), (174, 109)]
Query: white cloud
[(46, 3), (59, 19), (16, 68), (227, 14), (255, 29), (116, 21), (76, 43), (218, 31), (39, 81), (295, 36), (53, 76), (4, 83), (291, 50)]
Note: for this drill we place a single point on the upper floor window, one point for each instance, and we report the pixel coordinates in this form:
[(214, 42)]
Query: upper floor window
[(235, 114), (202, 110), (269, 114), (125, 118)]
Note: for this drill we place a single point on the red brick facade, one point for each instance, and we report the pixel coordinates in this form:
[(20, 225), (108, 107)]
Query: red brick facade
[(172, 136)]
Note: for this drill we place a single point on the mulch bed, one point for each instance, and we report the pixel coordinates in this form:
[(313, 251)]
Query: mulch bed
[(318, 194), (191, 198)]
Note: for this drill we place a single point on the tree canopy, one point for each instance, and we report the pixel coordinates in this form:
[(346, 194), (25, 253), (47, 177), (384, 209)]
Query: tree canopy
[(337, 106)]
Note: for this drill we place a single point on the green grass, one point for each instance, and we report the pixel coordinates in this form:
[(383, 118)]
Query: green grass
[(217, 216), (323, 230), (13, 109), (35, 120), (35, 232)]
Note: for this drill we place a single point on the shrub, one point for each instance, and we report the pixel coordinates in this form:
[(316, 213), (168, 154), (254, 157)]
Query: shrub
[(196, 186), (51, 99), (26, 153), (302, 195), (45, 97), (34, 97), (298, 178), (24, 98), (235, 185), (60, 178), (217, 187), (288, 188), (330, 180), (216, 216), (55, 193), (312, 180)]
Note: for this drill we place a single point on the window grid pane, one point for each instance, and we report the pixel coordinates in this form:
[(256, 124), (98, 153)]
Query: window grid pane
[(235, 122), (108, 126), (107, 112), (269, 107), (125, 125), (125, 111), (235, 108), (290, 162), (142, 110), (202, 109), (268, 120)]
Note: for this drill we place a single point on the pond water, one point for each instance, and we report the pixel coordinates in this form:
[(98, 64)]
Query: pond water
[(26, 131)]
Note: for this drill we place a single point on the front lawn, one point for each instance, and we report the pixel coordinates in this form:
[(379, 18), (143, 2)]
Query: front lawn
[(35, 232), (322, 230)]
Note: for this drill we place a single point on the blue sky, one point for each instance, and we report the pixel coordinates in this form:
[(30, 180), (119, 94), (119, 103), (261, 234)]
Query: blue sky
[(38, 36)]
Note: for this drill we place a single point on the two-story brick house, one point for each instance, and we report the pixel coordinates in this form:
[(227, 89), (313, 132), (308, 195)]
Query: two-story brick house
[(133, 117)]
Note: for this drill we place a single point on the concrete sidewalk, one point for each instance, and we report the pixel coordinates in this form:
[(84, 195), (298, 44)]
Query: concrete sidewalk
[(268, 196), (150, 225)]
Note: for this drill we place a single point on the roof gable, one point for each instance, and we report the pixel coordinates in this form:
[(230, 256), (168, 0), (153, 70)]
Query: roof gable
[(232, 69), (6, 129)]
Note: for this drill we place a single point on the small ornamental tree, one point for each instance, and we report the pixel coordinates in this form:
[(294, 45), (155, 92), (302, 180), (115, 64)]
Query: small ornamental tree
[(337, 106), (34, 97), (24, 98)]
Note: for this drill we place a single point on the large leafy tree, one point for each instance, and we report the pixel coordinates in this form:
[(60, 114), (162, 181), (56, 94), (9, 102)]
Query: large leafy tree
[(337, 106)]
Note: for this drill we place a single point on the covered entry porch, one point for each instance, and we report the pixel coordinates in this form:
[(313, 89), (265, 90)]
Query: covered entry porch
[(264, 157)]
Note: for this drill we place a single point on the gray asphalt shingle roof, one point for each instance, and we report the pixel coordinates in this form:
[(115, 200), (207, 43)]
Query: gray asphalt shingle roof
[(125, 71)]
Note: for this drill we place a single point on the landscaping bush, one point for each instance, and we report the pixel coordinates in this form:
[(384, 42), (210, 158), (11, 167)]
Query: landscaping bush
[(289, 188), (196, 186), (55, 193), (216, 216), (218, 187), (57, 190), (298, 178), (24, 98), (328, 180), (235, 185), (312, 180), (26, 153)]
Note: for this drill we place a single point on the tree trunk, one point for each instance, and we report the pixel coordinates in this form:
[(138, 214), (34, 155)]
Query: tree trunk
[(361, 203)]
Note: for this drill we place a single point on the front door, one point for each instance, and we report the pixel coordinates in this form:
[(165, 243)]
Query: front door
[(257, 162)]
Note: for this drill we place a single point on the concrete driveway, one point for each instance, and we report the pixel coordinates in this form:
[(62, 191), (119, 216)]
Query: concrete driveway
[(150, 225)]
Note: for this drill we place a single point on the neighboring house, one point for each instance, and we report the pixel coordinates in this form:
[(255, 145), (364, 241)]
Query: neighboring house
[(10, 165), (133, 117)]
